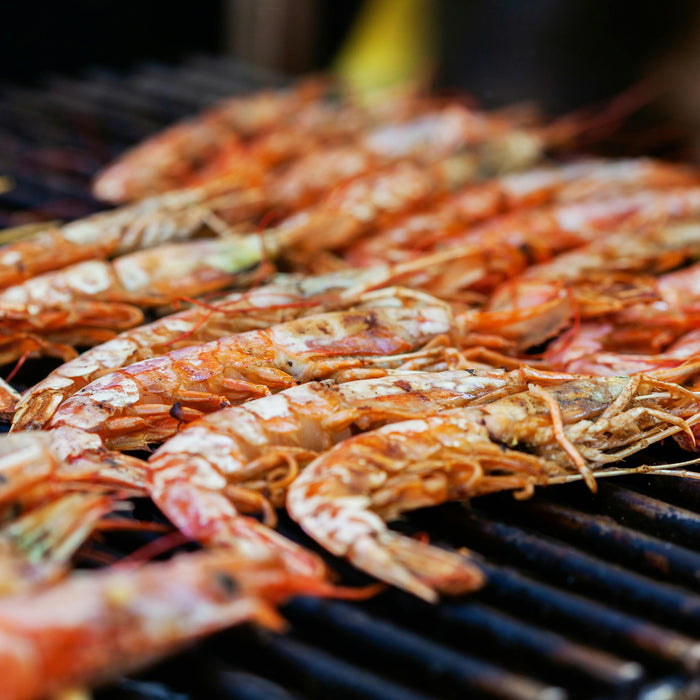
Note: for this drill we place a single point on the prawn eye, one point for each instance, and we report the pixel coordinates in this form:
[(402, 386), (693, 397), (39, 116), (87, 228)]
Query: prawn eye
[(177, 412), (227, 584)]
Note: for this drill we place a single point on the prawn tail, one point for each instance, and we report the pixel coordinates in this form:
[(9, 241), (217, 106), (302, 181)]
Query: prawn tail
[(37, 547), (417, 567), (689, 442), (35, 414), (9, 398)]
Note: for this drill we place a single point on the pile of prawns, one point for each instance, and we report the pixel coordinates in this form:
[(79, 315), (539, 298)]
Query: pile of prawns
[(458, 315)]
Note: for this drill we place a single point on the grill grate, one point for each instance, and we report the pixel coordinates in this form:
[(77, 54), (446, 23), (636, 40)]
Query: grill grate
[(588, 596)]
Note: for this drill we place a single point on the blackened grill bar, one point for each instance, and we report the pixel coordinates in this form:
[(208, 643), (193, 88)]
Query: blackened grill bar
[(560, 563), (588, 596), (649, 555)]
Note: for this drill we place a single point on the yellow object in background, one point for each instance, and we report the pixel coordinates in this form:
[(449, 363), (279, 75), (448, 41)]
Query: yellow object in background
[(392, 43)]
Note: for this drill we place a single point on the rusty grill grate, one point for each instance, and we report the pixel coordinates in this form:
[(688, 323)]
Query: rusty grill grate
[(588, 596)]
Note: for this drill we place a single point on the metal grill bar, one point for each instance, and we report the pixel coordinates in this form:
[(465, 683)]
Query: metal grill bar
[(601, 533), (382, 643), (301, 662), (652, 515), (561, 563), (240, 685), (593, 621)]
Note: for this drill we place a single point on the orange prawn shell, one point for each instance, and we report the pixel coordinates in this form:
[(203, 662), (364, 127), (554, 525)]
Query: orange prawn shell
[(96, 626)]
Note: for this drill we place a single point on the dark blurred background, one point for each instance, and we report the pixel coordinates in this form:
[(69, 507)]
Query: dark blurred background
[(561, 54)]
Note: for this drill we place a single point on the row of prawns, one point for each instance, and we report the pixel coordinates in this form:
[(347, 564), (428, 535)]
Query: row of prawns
[(444, 329)]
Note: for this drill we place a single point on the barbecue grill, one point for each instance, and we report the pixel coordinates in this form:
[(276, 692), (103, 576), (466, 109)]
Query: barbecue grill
[(588, 595)]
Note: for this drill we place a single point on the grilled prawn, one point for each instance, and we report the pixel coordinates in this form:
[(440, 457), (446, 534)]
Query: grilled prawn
[(345, 497), (579, 196), (603, 277), (426, 138), (108, 294), (146, 402), (98, 625), (167, 160)]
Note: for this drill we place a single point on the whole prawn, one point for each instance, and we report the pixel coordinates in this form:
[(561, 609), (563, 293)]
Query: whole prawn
[(98, 625), (166, 161), (579, 195), (109, 295), (146, 402), (602, 277), (427, 136), (344, 498)]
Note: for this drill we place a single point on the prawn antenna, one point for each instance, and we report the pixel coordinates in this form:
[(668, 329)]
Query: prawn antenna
[(18, 366), (151, 550), (673, 469)]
